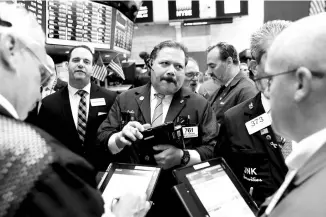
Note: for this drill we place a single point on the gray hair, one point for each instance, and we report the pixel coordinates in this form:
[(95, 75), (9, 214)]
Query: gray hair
[(265, 34)]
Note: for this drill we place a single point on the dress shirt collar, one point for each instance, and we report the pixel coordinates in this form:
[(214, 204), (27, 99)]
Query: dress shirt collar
[(73, 91), (8, 106), (153, 92), (229, 82), (305, 149), (266, 104)]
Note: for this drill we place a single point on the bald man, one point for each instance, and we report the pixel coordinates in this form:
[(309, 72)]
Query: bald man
[(192, 73), (296, 75)]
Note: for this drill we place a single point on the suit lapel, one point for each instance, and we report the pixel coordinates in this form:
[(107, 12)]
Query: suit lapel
[(67, 114), (92, 112), (179, 101), (142, 98)]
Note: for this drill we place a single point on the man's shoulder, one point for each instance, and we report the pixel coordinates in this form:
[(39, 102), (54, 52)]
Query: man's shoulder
[(197, 98), (54, 97), (133, 91), (238, 110)]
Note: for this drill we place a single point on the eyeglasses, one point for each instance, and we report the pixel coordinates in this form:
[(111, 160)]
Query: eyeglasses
[(269, 78), (45, 71), (192, 74)]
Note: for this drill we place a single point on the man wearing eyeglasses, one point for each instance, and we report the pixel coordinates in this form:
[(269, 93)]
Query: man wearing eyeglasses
[(223, 66), (39, 177), (296, 85), (246, 139), (192, 73)]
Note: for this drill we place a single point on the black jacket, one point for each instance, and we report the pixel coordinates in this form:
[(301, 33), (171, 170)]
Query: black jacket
[(41, 177), (255, 161), (56, 118)]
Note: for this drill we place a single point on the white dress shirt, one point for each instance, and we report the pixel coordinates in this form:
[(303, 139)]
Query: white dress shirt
[(74, 99), (194, 155), (8, 106)]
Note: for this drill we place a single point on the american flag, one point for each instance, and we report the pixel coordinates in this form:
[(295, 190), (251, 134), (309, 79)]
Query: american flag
[(317, 6), (99, 69), (115, 66)]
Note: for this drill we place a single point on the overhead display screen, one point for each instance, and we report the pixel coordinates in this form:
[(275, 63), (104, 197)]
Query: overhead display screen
[(145, 13), (73, 22), (124, 29), (183, 9), (38, 8)]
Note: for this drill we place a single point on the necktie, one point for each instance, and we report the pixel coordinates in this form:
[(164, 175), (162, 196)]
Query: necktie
[(82, 119), (158, 111), (286, 145)]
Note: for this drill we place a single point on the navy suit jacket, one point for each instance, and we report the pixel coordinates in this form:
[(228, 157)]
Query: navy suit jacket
[(257, 163), (56, 118)]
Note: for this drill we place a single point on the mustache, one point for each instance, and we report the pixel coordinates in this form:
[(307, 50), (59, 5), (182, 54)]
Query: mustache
[(169, 79)]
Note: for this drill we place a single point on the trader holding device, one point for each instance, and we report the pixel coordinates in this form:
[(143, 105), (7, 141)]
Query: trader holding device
[(162, 100)]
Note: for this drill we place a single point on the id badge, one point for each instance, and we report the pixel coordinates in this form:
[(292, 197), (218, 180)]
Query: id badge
[(190, 132), (258, 123)]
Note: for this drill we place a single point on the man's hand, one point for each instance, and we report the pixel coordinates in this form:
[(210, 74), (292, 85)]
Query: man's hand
[(169, 157), (130, 133), (131, 205)]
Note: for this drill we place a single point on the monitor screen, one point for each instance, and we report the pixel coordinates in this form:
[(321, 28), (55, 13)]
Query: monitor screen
[(123, 33), (217, 193), (74, 22)]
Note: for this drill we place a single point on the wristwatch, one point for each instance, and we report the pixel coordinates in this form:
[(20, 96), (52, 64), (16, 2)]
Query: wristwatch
[(185, 158)]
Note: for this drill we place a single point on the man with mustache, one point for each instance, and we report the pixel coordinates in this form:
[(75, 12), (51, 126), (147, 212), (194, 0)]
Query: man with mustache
[(73, 114), (162, 100), (223, 65)]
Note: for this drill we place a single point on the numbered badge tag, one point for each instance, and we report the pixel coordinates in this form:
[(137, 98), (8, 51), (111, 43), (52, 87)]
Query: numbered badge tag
[(190, 132), (258, 123)]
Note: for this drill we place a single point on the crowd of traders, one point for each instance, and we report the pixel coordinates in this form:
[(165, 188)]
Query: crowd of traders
[(48, 165)]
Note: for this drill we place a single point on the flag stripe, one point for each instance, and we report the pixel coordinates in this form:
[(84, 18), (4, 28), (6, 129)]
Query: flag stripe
[(316, 7)]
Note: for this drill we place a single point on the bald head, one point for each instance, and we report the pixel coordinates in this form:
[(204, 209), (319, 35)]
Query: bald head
[(302, 44), (297, 93)]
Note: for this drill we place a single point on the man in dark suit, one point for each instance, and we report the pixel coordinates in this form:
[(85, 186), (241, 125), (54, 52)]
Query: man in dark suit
[(161, 101), (223, 66), (74, 119), (296, 73), (252, 149)]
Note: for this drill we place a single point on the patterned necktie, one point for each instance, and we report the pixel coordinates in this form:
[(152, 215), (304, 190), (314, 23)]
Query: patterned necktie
[(158, 111), (82, 119), (286, 145)]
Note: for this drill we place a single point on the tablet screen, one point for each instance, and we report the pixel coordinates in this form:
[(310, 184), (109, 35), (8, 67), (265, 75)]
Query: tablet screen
[(137, 180), (217, 193)]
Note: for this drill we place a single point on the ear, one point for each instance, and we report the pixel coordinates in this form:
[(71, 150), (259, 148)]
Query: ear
[(7, 52), (229, 61), (303, 83), (253, 67)]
